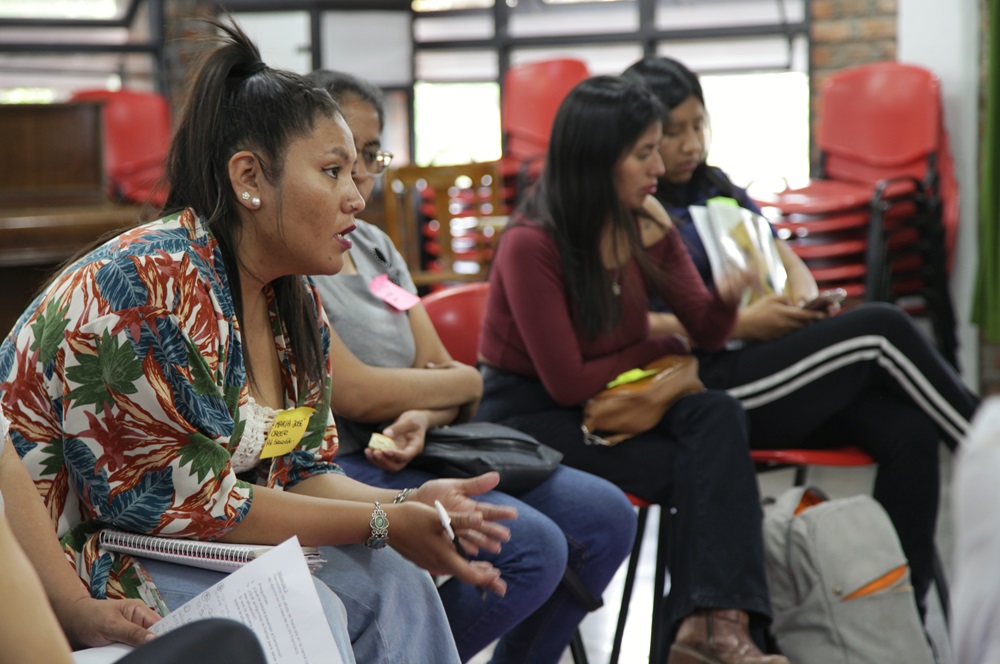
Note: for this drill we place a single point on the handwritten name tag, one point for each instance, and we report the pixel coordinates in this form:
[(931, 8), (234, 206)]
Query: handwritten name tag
[(395, 296), (288, 429)]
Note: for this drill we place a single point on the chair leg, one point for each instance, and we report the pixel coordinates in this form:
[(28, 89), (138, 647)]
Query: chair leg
[(941, 584), (633, 564), (577, 650), (587, 600), (657, 632), (801, 474)]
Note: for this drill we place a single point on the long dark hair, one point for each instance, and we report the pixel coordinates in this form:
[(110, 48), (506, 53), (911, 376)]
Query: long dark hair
[(673, 83), (238, 103), (598, 122)]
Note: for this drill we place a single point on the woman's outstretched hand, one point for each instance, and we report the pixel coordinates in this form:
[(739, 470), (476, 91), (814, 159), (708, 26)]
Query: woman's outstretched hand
[(418, 534), (481, 529)]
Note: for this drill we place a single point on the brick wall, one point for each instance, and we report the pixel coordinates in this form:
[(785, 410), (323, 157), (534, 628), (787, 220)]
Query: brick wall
[(846, 33)]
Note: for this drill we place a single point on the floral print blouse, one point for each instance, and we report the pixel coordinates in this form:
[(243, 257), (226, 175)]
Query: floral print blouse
[(126, 390)]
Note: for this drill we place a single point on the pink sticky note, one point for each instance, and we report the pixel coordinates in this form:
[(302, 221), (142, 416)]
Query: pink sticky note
[(393, 295)]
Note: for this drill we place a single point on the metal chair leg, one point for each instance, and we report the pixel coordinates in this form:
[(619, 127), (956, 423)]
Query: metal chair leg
[(657, 647), (577, 650), (941, 584), (633, 564)]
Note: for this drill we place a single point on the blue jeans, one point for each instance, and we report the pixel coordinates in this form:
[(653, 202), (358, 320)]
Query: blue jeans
[(381, 608), (574, 519)]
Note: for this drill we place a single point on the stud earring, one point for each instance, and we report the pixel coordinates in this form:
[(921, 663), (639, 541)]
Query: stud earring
[(255, 202), (245, 195)]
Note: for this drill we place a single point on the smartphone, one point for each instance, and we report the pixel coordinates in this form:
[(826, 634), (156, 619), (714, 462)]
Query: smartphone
[(826, 299)]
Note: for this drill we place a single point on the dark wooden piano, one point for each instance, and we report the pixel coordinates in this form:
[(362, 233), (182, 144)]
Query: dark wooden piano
[(53, 199)]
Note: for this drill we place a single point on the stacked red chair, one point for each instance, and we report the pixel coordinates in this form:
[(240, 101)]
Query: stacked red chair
[(880, 218), (532, 93), (137, 134)]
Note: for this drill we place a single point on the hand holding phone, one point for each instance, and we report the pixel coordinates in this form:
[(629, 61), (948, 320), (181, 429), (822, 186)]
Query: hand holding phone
[(826, 299)]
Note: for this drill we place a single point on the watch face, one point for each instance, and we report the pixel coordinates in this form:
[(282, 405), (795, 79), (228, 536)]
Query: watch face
[(377, 542)]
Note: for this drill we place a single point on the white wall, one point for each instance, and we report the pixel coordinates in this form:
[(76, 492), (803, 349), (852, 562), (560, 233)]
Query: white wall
[(944, 37)]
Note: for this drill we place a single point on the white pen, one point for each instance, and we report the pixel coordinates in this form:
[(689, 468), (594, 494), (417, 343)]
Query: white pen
[(446, 522)]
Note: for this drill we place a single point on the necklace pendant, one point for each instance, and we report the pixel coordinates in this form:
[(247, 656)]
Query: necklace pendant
[(616, 289)]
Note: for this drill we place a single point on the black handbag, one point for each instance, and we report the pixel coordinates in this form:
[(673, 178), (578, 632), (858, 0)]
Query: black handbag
[(474, 448)]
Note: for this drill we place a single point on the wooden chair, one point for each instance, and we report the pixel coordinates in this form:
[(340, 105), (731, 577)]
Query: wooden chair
[(432, 215)]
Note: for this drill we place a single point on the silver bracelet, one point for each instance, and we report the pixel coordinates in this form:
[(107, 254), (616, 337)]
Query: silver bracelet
[(380, 529), (403, 495)]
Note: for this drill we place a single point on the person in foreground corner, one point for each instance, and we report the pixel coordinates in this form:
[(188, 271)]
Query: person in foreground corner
[(975, 593), (144, 383), (566, 314), (46, 611), (866, 376), (395, 376)]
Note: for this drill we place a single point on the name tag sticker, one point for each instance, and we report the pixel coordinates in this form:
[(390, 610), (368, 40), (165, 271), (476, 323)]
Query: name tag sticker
[(395, 296), (288, 429)]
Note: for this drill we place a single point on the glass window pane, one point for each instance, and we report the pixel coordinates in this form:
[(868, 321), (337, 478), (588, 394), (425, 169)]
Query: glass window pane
[(442, 28), (442, 5), (610, 59), (373, 45), (396, 136), (455, 123), (592, 18), (63, 9), (449, 65), (730, 54), (759, 127), (282, 37), (54, 77), (679, 14)]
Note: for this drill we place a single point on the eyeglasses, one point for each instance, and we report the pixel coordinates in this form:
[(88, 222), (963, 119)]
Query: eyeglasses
[(376, 161)]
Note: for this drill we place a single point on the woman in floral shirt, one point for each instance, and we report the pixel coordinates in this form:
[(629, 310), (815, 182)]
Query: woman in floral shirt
[(142, 383)]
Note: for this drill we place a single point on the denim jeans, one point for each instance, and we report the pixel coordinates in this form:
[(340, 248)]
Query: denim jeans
[(574, 519), (381, 607)]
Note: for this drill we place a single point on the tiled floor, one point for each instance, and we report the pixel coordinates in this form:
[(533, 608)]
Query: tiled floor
[(598, 628)]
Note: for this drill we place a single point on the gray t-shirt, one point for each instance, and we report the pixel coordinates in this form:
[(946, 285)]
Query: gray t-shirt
[(377, 333)]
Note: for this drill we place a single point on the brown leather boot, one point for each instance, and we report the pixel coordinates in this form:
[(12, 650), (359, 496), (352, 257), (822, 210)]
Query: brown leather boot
[(719, 636)]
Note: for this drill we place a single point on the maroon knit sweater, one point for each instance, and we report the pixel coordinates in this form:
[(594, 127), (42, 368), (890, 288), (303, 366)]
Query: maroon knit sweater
[(529, 324)]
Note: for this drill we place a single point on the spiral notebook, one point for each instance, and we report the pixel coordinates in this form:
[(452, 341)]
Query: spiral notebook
[(219, 556)]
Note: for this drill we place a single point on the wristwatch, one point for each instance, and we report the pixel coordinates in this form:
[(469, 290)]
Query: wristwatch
[(380, 529)]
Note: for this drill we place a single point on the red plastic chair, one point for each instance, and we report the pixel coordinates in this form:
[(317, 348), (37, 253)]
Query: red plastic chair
[(137, 134), (843, 457), (532, 93), (883, 162), (457, 314)]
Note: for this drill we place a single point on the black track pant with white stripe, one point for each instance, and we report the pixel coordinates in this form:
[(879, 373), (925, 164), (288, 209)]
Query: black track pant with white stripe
[(867, 377)]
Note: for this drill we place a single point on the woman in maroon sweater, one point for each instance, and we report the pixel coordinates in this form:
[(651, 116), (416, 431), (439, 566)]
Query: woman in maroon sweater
[(567, 313)]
